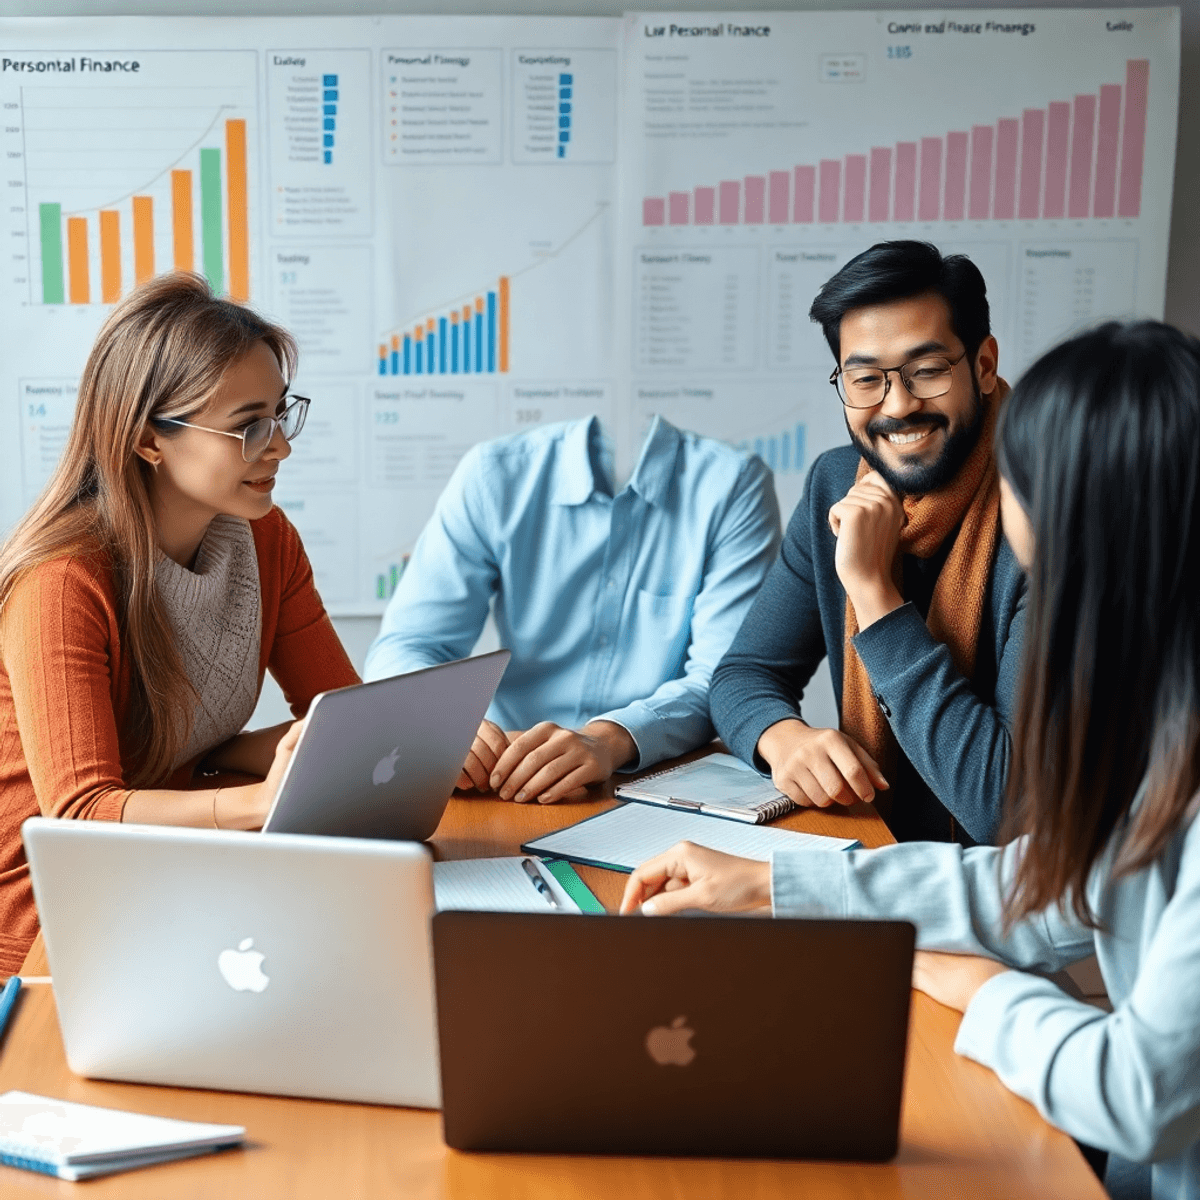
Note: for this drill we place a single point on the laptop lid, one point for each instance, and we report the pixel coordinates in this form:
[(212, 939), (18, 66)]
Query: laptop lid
[(380, 760), (297, 966), (684, 1036)]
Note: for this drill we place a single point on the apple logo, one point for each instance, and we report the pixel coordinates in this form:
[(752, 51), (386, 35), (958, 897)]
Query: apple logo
[(242, 968), (385, 768), (670, 1046)]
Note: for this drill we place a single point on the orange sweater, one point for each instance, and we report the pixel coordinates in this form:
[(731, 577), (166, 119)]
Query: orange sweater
[(65, 689)]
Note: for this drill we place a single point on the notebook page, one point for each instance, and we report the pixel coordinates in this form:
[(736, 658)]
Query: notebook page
[(60, 1131), (715, 779), (494, 885), (626, 836)]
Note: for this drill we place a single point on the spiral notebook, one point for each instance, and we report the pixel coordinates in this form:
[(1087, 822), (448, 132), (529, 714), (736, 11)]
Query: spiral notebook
[(718, 785)]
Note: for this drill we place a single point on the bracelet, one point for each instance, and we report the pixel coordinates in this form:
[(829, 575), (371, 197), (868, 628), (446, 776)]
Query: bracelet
[(214, 813)]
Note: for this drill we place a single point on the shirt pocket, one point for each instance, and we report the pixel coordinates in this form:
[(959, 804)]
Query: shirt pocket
[(664, 626)]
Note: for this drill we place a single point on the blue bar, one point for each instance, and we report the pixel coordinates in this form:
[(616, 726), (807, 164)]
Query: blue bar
[(329, 123), (760, 449), (800, 447), (565, 78), (562, 152), (491, 316), (565, 107), (454, 347), (383, 365), (420, 357), (330, 110), (563, 123), (328, 140), (479, 343), (429, 340), (407, 354), (330, 95), (564, 93), (785, 458), (564, 135), (395, 362), (329, 156), (772, 452), (331, 81), (442, 345)]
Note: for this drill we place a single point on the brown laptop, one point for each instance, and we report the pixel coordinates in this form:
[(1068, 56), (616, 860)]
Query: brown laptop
[(713, 1036)]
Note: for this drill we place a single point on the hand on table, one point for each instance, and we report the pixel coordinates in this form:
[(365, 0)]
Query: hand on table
[(548, 763), (819, 767), (490, 742), (691, 876), (867, 523), (260, 796), (953, 979)]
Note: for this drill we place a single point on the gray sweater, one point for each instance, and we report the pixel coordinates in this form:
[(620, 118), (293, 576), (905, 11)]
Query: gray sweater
[(1126, 1081), (953, 732)]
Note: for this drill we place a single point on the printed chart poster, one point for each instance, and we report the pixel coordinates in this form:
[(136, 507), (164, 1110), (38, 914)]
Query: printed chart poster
[(426, 203), (762, 152)]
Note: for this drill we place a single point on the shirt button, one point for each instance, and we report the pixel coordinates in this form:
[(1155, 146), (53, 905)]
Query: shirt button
[(883, 706)]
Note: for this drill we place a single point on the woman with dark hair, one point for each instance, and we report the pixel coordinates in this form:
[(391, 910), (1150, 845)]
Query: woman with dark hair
[(152, 584), (1099, 453)]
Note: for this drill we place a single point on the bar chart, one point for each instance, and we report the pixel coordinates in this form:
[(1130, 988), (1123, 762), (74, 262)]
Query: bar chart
[(387, 579), (783, 452), (126, 181), (470, 337), (1076, 158)]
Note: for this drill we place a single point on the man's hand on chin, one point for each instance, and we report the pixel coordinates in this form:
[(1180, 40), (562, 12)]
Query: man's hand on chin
[(548, 763), (867, 523)]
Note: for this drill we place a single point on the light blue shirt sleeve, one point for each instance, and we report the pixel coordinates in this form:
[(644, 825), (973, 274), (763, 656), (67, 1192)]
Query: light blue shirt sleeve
[(1126, 1081), (675, 717), (441, 602)]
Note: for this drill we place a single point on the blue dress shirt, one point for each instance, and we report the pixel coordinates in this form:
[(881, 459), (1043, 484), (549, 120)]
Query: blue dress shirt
[(614, 607)]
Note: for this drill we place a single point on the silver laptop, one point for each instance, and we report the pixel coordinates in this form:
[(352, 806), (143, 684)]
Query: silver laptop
[(297, 966), (380, 760), (692, 1036)]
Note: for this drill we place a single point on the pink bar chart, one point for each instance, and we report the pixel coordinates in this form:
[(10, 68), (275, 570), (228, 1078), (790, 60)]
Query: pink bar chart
[(1079, 158)]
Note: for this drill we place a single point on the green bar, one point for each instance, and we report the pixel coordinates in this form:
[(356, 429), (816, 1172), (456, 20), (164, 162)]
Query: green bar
[(52, 258), (210, 219)]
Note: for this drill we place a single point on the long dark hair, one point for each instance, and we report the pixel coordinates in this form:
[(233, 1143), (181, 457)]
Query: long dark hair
[(1100, 441)]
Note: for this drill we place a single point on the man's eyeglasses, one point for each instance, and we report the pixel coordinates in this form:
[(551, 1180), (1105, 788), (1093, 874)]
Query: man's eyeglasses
[(866, 387), (256, 436)]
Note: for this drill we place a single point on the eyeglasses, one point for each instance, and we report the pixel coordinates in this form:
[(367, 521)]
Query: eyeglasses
[(256, 437), (866, 387)]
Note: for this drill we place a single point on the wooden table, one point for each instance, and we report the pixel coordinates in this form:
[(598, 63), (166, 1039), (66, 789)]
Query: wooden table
[(963, 1134)]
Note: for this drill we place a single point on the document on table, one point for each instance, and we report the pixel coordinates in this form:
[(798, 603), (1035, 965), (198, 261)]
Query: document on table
[(496, 885), (625, 837)]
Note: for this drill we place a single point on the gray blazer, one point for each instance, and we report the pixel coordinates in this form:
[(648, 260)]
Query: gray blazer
[(1126, 1081)]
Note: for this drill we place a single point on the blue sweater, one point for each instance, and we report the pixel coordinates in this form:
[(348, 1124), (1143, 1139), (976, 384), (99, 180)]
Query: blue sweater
[(953, 732)]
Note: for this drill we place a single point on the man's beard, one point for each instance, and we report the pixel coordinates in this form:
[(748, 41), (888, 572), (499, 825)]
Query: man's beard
[(929, 477)]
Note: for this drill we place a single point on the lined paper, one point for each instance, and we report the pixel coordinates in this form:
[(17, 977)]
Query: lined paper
[(628, 835), (495, 885)]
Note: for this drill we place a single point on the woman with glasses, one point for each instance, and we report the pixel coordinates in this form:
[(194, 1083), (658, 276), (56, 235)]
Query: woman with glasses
[(1100, 498), (152, 584)]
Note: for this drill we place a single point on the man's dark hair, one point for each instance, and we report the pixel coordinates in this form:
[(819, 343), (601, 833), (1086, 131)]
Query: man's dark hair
[(896, 271)]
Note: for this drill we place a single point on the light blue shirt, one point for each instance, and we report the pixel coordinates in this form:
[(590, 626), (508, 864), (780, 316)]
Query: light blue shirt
[(614, 607), (1126, 1081)]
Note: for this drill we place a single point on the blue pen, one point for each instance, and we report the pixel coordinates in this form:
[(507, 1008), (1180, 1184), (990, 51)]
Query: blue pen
[(8, 997)]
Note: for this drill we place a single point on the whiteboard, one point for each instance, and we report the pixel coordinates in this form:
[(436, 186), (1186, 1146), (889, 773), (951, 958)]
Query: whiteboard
[(478, 224)]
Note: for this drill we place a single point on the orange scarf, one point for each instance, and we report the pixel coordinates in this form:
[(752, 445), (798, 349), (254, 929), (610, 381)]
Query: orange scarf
[(972, 499)]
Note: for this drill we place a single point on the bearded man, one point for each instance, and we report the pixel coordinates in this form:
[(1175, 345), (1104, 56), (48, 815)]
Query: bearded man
[(894, 566)]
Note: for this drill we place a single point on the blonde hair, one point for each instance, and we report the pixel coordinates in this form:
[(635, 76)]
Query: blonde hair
[(161, 354)]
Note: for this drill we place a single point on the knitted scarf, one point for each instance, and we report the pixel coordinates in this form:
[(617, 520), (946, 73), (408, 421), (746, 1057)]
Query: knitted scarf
[(970, 503)]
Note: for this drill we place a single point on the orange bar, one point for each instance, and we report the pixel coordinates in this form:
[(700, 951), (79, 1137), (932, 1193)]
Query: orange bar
[(143, 238), (110, 256), (395, 341), (77, 260), (430, 325), (239, 210), (479, 304), (503, 334), (454, 316), (466, 312), (181, 220)]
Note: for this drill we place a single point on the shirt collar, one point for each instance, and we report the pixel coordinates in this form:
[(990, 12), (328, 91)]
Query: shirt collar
[(577, 480)]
